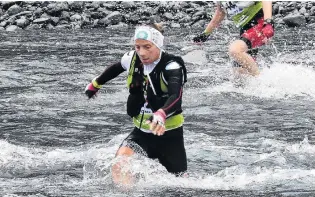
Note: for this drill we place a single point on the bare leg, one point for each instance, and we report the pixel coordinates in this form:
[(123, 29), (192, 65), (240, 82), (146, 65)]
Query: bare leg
[(238, 51), (120, 174)]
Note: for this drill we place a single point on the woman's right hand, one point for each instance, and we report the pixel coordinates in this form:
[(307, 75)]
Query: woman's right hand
[(92, 88)]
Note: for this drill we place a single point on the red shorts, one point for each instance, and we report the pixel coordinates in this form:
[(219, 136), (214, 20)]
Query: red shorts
[(254, 35)]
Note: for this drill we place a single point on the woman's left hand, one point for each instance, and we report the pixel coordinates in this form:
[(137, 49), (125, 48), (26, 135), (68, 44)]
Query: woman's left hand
[(157, 122)]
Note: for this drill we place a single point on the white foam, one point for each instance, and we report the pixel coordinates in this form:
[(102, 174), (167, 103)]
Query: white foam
[(281, 80)]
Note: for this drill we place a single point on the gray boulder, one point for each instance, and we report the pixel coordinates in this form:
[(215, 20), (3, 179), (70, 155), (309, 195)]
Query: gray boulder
[(76, 17), (104, 12), (175, 25), (55, 9), (127, 5), (12, 28), (302, 11), (120, 25), (94, 4), (168, 16), (33, 26), (54, 20), (14, 9), (65, 15), (22, 22), (103, 22), (41, 20), (108, 6), (76, 5), (3, 23), (50, 26), (114, 18), (294, 20), (24, 13), (38, 12), (7, 4)]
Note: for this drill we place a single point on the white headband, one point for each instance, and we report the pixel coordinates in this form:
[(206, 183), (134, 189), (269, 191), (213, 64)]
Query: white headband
[(149, 34)]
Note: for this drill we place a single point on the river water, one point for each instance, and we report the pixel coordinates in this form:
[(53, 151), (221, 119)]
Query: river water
[(255, 139)]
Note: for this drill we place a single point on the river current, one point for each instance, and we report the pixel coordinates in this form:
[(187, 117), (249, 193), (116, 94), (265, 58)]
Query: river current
[(255, 139)]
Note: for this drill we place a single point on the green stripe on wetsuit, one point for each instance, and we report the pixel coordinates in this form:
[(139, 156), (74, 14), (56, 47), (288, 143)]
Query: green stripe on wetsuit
[(247, 14)]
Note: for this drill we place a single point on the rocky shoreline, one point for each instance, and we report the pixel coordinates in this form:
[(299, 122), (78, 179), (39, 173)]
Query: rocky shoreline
[(120, 14)]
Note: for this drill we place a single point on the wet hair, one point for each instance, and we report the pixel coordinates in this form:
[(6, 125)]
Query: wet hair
[(157, 26)]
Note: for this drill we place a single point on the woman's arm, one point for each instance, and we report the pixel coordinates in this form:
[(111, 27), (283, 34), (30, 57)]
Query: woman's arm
[(267, 9), (174, 77), (216, 20), (110, 73)]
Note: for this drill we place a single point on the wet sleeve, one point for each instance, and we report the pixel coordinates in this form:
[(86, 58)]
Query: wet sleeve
[(174, 78), (110, 73)]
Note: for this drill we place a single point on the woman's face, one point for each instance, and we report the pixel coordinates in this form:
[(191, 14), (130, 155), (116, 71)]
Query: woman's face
[(147, 51)]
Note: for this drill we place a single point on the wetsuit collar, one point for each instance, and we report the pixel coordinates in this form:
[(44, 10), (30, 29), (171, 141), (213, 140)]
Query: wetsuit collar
[(148, 68)]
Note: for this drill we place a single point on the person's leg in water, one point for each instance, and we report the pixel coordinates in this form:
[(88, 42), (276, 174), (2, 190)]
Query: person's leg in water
[(134, 143), (238, 70), (241, 50), (238, 50), (172, 153), (121, 175)]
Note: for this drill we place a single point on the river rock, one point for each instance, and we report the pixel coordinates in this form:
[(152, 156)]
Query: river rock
[(65, 15), (7, 4), (128, 5), (293, 20), (50, 26), (55, 9), (76, 17), (185, 19), (103, 22), (112, 13), (22, 22), (54, 20), (24, 13), (12, 28), (110, 6), (168, 16), (104, 11), (3, 23), (114, 18), (41, 20), (95, 5), (175, 25), (120, 25), (38, 12), (14, 9), (76, 5), (33, 26), (11, 20), (302, 11)]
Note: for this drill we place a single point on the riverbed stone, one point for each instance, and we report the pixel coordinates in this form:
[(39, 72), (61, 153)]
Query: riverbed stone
[(294, 20), (14, 9), (12, 28), (112, 13), (22, 22)]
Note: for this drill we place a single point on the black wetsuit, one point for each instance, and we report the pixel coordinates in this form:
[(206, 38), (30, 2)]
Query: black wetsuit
[(169, 148)]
